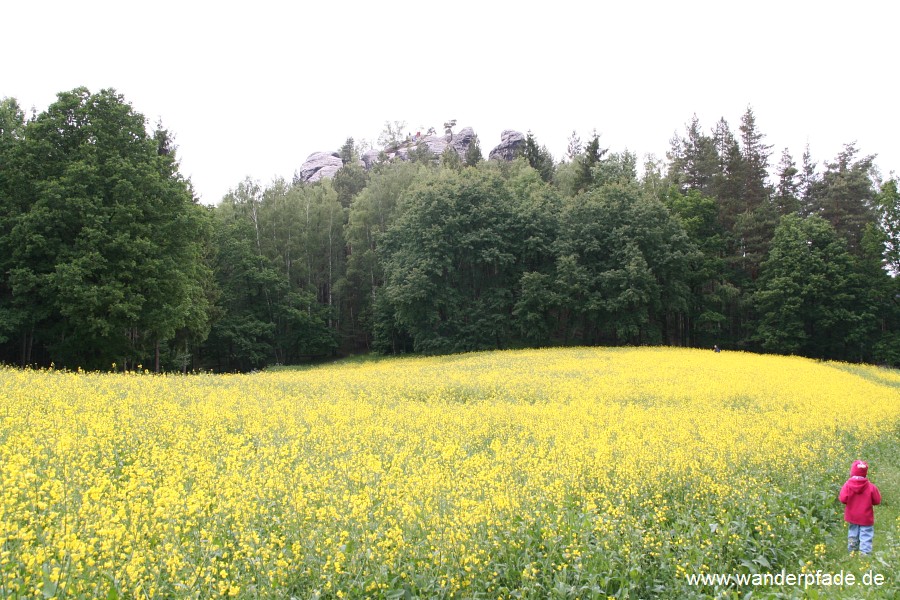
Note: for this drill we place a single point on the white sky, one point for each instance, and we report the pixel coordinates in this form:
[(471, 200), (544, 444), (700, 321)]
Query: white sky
[(253, 88)]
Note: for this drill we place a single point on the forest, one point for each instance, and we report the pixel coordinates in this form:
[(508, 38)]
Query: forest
[(109, 262)]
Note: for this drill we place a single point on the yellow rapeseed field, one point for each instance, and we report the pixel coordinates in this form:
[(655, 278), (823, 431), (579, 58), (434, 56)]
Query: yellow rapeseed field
[(578, 472)]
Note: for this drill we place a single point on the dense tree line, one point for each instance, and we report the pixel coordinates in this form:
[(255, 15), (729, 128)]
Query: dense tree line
[(106, 257), (102, 245)]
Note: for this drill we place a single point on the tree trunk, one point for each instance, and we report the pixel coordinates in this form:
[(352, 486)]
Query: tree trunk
[(30, 346)]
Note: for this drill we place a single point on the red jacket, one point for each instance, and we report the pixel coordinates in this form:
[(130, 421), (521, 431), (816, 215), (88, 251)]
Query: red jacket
[(860, 495)]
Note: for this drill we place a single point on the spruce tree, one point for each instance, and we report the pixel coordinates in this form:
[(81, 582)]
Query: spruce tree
[(754, 174), (845, 196), (808, 182), (539, 158), (473, 153), (787, 191)]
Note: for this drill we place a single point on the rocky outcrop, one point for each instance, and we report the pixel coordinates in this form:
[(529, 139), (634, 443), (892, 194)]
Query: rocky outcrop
[(369, 158), (460, 142), (511, 145), (462, 139), (319, 165), (436, 144)]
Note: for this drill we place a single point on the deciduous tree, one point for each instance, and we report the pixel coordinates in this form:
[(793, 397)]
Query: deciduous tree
[(887, 203), (105, 253), (807, 301), (626, 261)]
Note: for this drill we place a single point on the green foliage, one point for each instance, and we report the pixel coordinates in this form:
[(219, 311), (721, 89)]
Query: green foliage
[(712, 299), (809, 181), (348, 151), (12, 180), (753, 171), (622, 265), (809, 298), (441, 257), (844, 196), (277, 262), (243, 335), (616, 168), (880, 295), (392, 134), (106, 257), (573, 147), (421, 154), (105, 242), (448, 128), (12, 121), (370, 216), (450, 158), (694, 161), (453, 258), (473, 153), (351, 178), (752, 232), (539, 158), (787, 193), (887, 204), (584, 164), (536, 306), (349, 181)]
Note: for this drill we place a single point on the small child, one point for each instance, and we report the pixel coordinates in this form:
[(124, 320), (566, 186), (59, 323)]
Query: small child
[(860, 495)]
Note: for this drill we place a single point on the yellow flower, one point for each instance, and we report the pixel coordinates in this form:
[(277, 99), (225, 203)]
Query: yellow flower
[(431, 471)]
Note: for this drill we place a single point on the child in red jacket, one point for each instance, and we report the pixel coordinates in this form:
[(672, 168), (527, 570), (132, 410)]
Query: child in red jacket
[(860, 495)]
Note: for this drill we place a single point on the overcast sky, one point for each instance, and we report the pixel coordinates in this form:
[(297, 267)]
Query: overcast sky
[(253, 88)]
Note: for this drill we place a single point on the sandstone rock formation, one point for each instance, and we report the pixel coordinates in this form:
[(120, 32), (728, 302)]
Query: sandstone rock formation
[(462, 139), (511, 145), (437, 144), (319, 165), (369, 158)]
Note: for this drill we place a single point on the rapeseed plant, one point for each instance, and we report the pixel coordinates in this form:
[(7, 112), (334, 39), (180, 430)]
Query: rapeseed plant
[(591, 472)]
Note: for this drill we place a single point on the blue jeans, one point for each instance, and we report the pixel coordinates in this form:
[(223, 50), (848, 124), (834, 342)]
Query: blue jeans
[(860, 538)]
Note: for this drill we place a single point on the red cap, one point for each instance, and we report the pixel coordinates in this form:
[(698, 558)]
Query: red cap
[(859, 469)]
